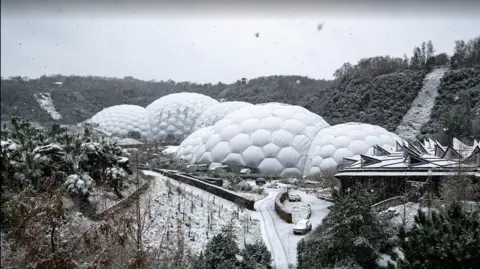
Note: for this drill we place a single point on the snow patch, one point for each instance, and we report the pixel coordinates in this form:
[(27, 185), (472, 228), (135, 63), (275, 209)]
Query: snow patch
[(46, 102), (419, 112), (170, 150)]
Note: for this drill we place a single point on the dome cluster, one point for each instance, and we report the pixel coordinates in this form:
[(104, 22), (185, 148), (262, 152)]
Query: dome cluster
[(271, 138)]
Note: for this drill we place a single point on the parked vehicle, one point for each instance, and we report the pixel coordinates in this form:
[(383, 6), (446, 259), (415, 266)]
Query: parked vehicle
[(260, 181), (302, 227), (294, 198)]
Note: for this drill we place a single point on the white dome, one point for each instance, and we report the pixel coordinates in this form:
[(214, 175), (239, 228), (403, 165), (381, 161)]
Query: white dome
[(173, 116), (217, 112), (188, 149), (334, 143), (121, 119), (273, 137)]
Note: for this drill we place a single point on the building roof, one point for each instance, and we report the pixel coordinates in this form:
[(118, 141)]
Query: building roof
[(416, 159)]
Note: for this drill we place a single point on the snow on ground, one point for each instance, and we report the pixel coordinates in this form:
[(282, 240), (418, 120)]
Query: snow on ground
[(170, 150), (411, 210), (419, 112), (277, 234), (194, 207), (252, 196), (46, 102)]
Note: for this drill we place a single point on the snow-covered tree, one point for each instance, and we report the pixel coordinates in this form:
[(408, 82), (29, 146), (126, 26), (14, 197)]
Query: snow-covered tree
[(256, 256), (442, 240), (220, 252), (79, 184), (350, 234)]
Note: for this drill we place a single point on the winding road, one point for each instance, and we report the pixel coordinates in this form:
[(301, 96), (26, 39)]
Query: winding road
[(277, 234)]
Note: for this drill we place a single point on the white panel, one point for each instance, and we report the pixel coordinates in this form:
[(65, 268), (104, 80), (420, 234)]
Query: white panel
[(328, 165), (358, 147), (220, 151), (270, 166), (271, 150), (250, 125), (272, 123), (342, 153), (253, 156), (234, 158), (260, 137), (240, 143), (282, 138), (291, 172), (288, 157)]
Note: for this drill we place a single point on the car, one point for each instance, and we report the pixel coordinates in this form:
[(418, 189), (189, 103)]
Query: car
[(294, 198), (302, 227)]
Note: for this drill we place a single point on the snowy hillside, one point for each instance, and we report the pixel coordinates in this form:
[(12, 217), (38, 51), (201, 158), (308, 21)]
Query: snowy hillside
[(419, 112), (200, 214), (46, 102)]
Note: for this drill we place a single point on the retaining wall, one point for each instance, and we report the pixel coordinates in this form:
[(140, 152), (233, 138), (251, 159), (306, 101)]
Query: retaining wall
[(280, 209), (123, 203), (213, 189)]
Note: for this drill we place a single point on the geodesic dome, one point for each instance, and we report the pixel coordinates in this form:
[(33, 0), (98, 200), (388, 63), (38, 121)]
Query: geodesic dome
[(273, 138), (334, 143), (188, 149), (123, 121), (217, 112), (173, 116)]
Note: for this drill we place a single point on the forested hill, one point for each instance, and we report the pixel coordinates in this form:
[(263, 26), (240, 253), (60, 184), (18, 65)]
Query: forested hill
[(376, 90)]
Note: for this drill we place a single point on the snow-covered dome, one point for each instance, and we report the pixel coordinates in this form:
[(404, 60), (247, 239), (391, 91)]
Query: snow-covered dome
[(123, 121), (188, 149), (173, 116), (217, 112), (273, 137), (334, 143)]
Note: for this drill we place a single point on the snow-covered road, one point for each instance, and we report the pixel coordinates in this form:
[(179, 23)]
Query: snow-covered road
[(419, 112), (277, 234)]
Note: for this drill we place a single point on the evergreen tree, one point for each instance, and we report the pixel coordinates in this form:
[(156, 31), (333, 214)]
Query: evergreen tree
[(350, 235), (442, 240), (220, 252), (256, 256)]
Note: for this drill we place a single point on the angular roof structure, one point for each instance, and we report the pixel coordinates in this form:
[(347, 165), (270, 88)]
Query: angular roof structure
[(408, 161)]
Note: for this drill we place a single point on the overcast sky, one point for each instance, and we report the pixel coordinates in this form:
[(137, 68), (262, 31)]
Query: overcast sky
[(212, 42)]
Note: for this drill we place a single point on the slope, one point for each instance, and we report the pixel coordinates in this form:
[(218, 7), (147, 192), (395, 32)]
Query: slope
[(419, 112), (457, 108)]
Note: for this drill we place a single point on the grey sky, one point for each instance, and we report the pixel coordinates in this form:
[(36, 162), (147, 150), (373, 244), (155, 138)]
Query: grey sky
[(212, 43)]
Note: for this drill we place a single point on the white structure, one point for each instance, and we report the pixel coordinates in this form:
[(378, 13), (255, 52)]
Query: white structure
[(273, 138), (173, 116), (188, 149), (217, 112), (121, 120), (334, 143)]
